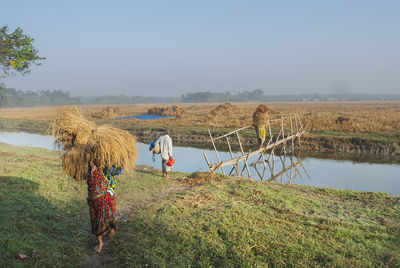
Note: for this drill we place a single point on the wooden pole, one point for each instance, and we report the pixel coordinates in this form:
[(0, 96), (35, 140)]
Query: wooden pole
[(223, 136), (241, 149), (208, 162), (291, 132), (230, 151), (215, 149), (248, 170), (269, 127)]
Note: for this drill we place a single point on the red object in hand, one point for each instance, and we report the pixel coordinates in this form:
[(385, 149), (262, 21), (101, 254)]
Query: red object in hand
[(171, 162)]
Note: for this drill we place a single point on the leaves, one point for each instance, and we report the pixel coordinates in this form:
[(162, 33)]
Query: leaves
[(17, 52)]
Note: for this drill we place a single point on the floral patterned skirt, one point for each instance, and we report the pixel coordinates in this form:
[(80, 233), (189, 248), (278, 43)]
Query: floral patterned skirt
[(102, 213)]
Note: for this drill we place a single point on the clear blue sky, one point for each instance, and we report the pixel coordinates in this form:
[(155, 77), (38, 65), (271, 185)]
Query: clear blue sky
[(173, 47)]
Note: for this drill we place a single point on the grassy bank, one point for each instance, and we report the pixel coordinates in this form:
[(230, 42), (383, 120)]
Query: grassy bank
[(200, 221)]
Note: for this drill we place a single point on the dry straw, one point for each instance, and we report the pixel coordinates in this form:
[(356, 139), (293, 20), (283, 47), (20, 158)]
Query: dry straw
[(112, 146), (165, 111), (70, 128), (85, 144), (260, 116), (110, 112)]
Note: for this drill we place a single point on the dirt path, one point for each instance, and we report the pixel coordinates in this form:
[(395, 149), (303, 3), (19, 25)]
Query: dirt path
[(105, 259)]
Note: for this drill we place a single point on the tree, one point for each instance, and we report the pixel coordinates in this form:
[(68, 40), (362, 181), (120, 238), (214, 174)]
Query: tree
[(17, 53)]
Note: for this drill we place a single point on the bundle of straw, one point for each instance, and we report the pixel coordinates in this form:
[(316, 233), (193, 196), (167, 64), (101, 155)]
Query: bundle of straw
[(110, 146), (110, 112), (76, 163), (70, 128), (85, 144), (260, 116)]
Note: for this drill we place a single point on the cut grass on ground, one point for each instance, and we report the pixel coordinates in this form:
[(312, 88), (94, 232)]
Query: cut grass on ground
[(177, 223)]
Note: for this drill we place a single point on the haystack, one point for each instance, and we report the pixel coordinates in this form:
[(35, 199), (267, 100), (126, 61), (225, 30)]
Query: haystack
[(226, 115), (165, 111), (103, 146), (260, 116), (110, 112), (224, 109)]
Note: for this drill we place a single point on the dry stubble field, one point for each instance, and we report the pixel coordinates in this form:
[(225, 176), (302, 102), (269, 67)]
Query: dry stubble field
[(354, 117)]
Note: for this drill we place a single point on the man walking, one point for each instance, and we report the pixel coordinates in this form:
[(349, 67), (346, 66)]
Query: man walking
[(165, 143)]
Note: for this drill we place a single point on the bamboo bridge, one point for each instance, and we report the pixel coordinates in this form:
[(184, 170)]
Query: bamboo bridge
[(277, 138)]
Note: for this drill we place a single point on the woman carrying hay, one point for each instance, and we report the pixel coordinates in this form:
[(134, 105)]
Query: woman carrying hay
[(91, 154), (260, 122), (101, 201)]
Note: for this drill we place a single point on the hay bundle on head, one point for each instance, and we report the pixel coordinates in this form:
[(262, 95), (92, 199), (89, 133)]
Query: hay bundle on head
[(70, 128), (86, 144), (110, 146), (260, 116), (76, 162), (260, 121)]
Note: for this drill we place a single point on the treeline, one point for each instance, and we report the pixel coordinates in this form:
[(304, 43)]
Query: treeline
[(123, 99), (257, 95), (10, 97)]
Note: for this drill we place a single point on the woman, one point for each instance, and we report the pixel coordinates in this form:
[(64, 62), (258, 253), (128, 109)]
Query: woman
[(102, 205)]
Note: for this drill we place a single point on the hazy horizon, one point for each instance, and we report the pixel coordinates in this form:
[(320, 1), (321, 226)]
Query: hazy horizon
[(171, 48)]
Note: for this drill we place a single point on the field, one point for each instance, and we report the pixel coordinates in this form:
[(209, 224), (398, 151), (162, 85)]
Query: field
[(197, 220), (350, 117)]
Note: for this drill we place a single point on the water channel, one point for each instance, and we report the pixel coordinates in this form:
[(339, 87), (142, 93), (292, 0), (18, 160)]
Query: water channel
[(337, 174)]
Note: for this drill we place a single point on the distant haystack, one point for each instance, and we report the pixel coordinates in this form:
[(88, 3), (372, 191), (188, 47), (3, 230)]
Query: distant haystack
[(108, 113), (224, 109), (225, 114), (165, 111)]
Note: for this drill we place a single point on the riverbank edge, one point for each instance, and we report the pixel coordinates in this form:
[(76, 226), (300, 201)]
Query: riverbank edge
[(352, 144)]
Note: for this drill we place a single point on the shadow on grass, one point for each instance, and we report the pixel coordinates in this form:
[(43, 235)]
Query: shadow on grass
[(50, 233)]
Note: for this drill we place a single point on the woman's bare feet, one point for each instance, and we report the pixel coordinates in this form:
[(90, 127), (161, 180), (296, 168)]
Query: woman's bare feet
[(99, 247), (111, 232)]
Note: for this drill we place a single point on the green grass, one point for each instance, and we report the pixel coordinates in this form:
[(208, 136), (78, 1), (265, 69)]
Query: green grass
[(166, 223)]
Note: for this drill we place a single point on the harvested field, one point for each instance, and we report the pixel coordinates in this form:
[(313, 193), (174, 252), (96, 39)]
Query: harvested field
[(350, 117)]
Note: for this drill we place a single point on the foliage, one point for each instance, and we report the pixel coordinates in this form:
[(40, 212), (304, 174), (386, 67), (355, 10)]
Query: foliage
[(257, 95), (18, 98), (17, 52)]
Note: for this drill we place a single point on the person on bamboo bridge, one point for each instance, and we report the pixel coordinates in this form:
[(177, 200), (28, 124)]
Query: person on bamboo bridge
[(260, 122), (165, 143)]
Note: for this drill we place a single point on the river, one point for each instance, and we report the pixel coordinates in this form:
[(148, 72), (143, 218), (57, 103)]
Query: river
[(336, 174)]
